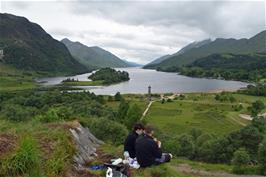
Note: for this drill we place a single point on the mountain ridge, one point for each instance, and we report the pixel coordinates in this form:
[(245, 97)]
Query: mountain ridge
[(254, 44), (93, 57), (28, 46)]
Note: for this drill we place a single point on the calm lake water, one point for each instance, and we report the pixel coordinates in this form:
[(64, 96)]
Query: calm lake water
[(160, 82)]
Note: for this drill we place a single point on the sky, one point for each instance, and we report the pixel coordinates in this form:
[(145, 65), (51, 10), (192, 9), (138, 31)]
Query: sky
[(141, 31)]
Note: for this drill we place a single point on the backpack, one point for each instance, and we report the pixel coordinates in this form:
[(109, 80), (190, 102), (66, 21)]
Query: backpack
[(117, 170)]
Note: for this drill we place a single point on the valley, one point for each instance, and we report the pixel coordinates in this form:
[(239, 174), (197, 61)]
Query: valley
[(206, 102)]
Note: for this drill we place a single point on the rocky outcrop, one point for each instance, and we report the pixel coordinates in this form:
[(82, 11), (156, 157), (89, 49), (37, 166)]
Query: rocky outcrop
[(86, 144)]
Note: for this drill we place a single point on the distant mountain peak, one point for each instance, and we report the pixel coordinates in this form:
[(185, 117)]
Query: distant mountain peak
[(93, 56)]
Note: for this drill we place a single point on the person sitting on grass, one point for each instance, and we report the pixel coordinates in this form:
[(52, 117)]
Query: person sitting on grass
[(129, 145), (148, 150)]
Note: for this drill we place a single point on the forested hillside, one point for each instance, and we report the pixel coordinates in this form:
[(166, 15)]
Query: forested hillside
[(27, 46)]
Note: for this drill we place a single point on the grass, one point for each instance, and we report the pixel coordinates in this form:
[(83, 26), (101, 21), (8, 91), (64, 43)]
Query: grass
[(26, 159), (83, 83), (13, 79), (200, 111), (42, 150), (168, 169)]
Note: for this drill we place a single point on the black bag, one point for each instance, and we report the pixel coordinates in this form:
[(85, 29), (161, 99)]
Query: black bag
[(117, 170)]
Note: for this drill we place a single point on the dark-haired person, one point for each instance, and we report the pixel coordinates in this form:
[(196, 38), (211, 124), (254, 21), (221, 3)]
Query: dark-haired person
[(129, 145), (148, 150)]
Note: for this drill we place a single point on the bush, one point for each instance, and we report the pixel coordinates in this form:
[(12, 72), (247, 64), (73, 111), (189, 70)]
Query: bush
[(187, 146), (50, 116), (17, 113), (240, 160), (171, 146), (24, 161), (251, 138), (108, 130), (118, 96), (133, 115), (262, 158)]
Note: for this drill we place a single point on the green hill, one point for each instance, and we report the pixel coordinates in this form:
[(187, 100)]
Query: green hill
[(94, 57), (27, 46), (255, 44), (243, 67)]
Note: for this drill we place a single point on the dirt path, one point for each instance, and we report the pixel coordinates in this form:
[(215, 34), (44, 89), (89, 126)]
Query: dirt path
[(162, 97), (187, 169), (146, 110), (248, 117)]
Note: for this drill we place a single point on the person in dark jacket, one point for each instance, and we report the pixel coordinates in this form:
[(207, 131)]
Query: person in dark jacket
[(129, 145), (148, 150)]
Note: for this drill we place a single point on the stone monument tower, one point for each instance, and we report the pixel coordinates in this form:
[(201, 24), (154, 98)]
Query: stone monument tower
[(149, 93)]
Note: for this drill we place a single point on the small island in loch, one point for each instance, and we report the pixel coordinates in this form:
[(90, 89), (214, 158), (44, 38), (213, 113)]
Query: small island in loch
[(109, 76), (103, 76)]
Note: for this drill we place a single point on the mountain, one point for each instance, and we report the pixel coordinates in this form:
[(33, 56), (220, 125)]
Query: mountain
[(132, 64), (93, 57), (255, 44), (192, 45), (157, 61), (27, 46)]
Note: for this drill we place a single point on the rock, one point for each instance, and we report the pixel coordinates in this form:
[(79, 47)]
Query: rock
[(86, 144)]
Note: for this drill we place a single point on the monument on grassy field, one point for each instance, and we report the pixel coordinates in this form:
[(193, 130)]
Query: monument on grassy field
[(149, 93), (1, 54)]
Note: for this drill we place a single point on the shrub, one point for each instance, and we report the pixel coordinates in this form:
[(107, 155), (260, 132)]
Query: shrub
[(118, 96), (251, 138), (187, 146), (50, 116), (134, 114), (262, 158), (17, 113), (260, 123), (240, 160), (172, 146), (108, 130)]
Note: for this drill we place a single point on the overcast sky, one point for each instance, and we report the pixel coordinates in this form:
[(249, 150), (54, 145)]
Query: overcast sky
[(141, 31)]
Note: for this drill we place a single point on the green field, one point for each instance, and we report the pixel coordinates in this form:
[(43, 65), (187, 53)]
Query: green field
[(13, 79), (200, 111)]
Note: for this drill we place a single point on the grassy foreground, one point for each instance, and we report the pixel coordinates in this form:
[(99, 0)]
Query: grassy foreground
[(42, 146)]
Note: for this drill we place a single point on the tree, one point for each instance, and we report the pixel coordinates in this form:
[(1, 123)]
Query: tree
[(133, 115), (122, 111), (118, 96), (256, 108), (240, 160), (262, 157), (260, 123), (251, 138)]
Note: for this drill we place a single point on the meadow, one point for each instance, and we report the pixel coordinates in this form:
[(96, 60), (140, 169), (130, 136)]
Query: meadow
[(200, 111)]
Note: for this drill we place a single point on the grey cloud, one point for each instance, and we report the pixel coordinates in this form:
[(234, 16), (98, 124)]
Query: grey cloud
[(208, 16)]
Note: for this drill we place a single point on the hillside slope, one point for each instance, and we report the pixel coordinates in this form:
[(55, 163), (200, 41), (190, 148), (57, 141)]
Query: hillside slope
[(94, 57), (255, 44), (27, 46)]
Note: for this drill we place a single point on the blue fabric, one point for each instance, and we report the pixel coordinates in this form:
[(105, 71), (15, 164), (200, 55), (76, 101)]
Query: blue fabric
[(97, 167)]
